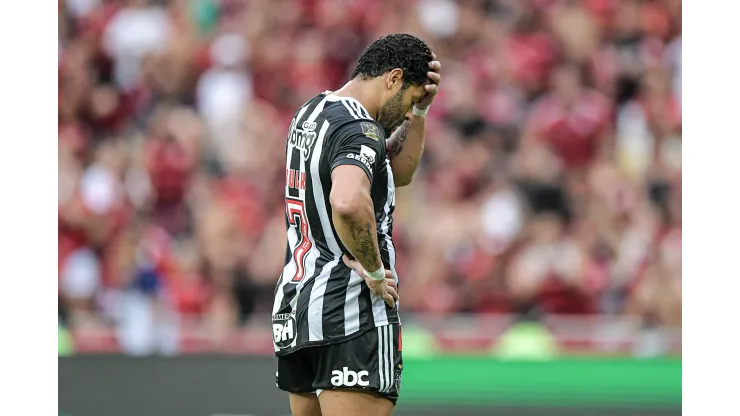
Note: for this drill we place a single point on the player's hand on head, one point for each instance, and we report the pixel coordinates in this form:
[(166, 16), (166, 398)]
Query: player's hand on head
[(385, 289), (432, 87)]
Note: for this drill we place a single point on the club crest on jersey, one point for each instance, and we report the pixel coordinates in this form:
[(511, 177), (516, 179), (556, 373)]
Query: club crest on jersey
[(303, 137), (370, 130)]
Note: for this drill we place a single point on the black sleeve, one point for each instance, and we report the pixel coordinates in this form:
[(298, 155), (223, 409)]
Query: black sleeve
[(360, 143)]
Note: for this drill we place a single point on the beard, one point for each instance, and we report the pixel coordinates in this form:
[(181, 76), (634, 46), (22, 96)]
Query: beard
[(391, 115)]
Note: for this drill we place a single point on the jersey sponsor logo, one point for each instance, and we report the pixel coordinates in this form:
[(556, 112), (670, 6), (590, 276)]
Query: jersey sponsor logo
[(360, 159), (368, 153), (348, 378), (283, 329), (367, 157), (303, 137), (370, 130)]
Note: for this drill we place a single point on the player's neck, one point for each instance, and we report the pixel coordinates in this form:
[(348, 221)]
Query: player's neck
[(364, 92)]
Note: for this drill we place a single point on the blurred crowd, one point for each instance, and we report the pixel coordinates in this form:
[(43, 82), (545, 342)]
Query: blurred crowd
[(550, 183)]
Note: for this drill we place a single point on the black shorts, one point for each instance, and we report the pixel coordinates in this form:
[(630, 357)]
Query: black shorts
[(371, 361)]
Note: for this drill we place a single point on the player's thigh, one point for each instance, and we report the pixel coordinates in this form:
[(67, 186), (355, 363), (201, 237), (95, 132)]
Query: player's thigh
[(339, 402), (304, 404)]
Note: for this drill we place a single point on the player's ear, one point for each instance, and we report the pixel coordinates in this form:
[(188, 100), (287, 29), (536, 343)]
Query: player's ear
[(394, 79)]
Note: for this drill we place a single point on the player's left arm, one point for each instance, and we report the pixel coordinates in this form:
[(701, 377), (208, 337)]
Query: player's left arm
[(406, 144)]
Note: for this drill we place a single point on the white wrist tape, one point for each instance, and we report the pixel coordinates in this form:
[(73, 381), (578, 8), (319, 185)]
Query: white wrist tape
[(420, 113), (377, 275)]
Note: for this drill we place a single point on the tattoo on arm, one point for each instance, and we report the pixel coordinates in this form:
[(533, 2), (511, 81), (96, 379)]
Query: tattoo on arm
[(395, 143), (364, 246)]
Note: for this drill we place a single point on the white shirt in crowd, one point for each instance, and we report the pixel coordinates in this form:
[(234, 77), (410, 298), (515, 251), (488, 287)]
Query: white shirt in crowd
[(131, 35), (224, 91), (502, 219)]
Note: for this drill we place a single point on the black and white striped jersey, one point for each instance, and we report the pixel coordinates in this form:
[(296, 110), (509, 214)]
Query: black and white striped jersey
[(319, 300)]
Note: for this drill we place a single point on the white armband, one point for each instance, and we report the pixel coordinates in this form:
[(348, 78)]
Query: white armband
[(420, 113), (377, 275)]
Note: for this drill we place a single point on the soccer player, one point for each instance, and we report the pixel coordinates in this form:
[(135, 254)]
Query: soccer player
[(335, 319)]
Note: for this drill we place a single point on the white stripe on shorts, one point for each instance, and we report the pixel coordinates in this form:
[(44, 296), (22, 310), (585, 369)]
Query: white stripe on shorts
[(381, 349), (385, 358), (389, 359)]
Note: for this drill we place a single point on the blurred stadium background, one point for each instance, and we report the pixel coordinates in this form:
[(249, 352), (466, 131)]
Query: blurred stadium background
[(539, 247)]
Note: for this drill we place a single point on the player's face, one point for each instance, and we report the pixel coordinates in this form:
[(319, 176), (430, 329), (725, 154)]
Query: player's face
[(397, 108)]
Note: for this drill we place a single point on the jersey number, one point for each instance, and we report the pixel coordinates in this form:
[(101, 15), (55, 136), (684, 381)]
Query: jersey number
[(297, 218)]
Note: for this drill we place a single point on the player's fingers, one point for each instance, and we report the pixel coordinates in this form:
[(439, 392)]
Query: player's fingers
[(434, 77), (352, 264), (389, 300), (393, 292), (431, 88), (389, 281), (349, 262), (388, 274), (434, 56), (436, 66)]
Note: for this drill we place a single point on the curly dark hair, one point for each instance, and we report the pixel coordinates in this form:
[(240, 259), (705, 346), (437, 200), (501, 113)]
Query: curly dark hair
[(403, 51)]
